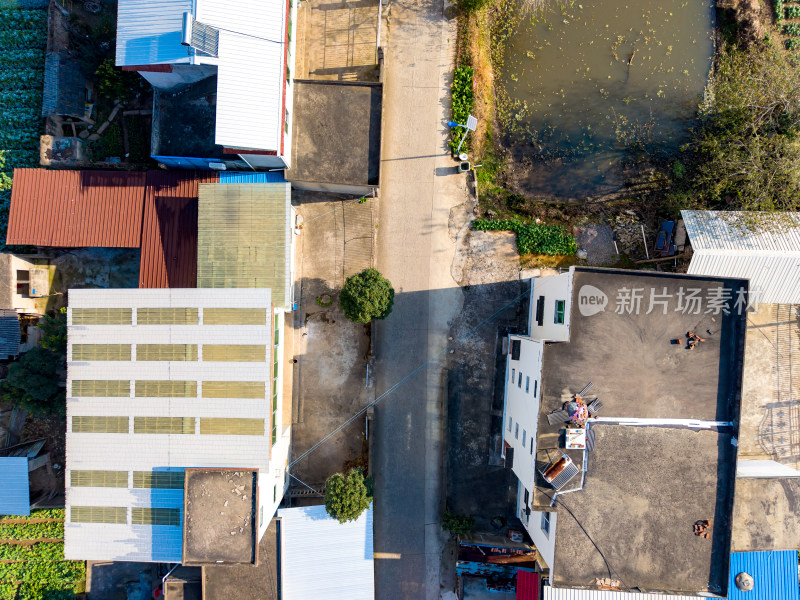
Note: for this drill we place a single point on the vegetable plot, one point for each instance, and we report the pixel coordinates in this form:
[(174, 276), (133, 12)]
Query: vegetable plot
[(23, 38), (32, 569)]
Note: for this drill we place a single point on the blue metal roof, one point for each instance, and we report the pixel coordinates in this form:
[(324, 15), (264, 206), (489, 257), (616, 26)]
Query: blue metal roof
[(250, 177), (15, 499), (775, 575)]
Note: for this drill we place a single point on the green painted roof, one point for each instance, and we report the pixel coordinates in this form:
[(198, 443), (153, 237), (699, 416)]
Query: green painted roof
[(244, 237)]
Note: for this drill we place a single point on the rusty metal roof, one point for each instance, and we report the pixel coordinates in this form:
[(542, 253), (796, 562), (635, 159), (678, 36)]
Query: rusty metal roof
[(169, 230), (76, 208)]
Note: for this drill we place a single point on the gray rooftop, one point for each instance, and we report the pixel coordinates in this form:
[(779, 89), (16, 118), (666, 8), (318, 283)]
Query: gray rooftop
[(220, 507), (645, 487), (337, 133), (259, 582)]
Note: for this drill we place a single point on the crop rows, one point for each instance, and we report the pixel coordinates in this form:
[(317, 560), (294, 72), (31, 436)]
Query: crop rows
[(11, 20), (23, 38), (531, 237), (37, 571), (47, 551), (31, 531)]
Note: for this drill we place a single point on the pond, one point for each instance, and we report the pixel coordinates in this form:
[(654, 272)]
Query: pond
[(584, 81)]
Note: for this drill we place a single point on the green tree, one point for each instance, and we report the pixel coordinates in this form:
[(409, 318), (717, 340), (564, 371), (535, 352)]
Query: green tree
[(346, 496), (365, 296), (54, 332), (33, 382)]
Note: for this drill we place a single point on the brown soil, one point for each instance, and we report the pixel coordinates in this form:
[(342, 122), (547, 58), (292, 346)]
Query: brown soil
[(54, 429), (753, 17)]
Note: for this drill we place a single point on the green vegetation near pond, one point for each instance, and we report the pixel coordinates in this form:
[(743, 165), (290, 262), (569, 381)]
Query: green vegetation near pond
[(533, 238), (23, 38), (463, 101), (36, 570)]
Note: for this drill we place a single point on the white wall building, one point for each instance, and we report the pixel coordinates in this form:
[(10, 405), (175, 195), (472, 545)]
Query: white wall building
[(551, 302), (247, 44), (160, 380)]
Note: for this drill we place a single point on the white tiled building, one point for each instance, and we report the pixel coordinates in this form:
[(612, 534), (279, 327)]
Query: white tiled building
[(160, 380)]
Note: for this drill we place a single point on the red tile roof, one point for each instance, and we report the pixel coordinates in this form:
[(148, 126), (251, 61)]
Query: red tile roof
[(527, 585), (76, 208), (169, 232)]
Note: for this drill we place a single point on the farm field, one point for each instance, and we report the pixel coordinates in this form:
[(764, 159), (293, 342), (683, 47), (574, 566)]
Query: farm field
[(32, 565)]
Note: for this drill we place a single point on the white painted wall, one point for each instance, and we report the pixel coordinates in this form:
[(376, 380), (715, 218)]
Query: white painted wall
[(545, 542), (553, 288), (523, 389), (764, 468)]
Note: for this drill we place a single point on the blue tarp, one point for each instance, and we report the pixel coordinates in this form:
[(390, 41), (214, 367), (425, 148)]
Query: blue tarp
[(15, 496), (775, 575)]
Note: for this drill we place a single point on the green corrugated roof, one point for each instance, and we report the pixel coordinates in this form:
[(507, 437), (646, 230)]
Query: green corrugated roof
[(243, 238)]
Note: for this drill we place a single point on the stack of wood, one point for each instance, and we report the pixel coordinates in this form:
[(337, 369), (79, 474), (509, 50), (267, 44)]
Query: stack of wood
[(701, 528)]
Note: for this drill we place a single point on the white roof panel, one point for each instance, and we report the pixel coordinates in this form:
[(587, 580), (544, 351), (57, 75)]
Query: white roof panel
[(551, 593), (149, 33), (711, 230), (252, 49), (250, 85), (340, 556), (769, 256), (156, 452)]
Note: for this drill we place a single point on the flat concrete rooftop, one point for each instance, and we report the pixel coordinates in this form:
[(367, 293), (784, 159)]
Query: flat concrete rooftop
[(259, 582), (646, 486), (337, 133), (220, 522)]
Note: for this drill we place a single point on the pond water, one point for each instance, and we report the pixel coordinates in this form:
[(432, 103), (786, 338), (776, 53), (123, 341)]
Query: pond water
[(584, 80)]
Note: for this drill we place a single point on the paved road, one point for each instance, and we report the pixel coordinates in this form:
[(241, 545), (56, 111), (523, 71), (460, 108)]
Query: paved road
[(418, 189)]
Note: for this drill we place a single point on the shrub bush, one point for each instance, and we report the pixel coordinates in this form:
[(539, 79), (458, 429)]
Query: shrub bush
[(531, 237)]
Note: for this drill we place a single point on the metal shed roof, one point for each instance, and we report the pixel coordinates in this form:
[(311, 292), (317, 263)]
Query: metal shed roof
[(775, 575), (551, 593), (15, 499), (10, 334), (76, 208), (149, 33), (169, 229), (244, 238), (322, 558), (251, 177), (764, 248), (250, 66)]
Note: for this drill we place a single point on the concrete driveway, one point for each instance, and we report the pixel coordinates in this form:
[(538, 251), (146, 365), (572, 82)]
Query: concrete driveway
[(418, 189), (330, 375)]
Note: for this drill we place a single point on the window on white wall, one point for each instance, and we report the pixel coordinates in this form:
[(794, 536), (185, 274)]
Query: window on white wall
[(513, 375), (519, 381), (527, 384), (535, 387), (559, 316), (524, 433), (531, 446), (546, 523), (509, 423), (516, 431)]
